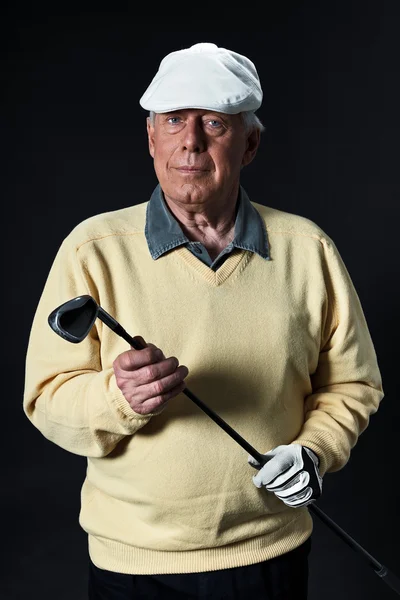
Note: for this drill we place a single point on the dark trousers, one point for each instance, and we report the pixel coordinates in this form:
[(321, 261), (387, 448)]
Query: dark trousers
[(282, 578)]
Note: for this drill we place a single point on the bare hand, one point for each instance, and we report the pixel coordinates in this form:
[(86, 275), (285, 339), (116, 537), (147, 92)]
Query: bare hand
[(147, 379)]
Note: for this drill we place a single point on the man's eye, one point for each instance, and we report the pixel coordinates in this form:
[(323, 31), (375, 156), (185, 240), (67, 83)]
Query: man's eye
[(215, 123), (173, 120)]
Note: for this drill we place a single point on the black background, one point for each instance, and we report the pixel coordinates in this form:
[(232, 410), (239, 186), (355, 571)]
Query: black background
[(75, 145)]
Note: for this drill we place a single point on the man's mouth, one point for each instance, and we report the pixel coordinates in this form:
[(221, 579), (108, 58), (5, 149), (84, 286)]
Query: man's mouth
[(190, 169)]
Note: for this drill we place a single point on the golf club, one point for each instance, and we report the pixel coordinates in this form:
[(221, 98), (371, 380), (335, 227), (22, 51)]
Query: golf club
[(73, 321)]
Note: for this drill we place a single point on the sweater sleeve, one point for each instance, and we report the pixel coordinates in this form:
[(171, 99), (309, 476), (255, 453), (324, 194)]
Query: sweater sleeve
[(347, 385), (68, 396)]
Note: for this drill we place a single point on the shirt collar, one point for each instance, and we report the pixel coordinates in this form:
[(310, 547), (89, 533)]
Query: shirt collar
[(163, 232)]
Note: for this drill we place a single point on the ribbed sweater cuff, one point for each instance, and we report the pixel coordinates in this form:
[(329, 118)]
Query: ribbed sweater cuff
[(324, 447)]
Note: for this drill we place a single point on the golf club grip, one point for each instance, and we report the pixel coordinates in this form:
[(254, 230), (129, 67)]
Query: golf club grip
[(390, 579), (119, 330)]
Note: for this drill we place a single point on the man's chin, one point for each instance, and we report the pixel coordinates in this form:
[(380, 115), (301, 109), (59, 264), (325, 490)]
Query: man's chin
[(189, 193)]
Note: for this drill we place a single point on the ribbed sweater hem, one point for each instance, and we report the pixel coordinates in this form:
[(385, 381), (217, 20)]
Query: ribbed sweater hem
[(118, 557)]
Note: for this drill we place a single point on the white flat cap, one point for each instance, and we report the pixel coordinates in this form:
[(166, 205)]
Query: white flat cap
[(204, 76)]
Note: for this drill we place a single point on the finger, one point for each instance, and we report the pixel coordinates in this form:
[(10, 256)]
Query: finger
[(159, 388), (149, 345), (132, 360), (253, 462), (280, 466), (156, 371), (154, 404), (158, 350), (267, 457), (257, 481), (255, 466), (300, 499), (139, 341), (295, 486)]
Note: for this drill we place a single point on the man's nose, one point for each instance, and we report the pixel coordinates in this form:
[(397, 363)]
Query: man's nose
[(194, 139)]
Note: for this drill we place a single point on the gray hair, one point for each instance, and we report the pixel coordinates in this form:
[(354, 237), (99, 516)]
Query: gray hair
[(250, 120)]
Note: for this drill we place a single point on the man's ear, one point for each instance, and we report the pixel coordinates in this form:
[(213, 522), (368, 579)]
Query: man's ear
[(150, 136), (253, 141)]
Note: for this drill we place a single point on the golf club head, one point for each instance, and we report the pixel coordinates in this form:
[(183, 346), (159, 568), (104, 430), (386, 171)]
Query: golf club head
[(74, 319)]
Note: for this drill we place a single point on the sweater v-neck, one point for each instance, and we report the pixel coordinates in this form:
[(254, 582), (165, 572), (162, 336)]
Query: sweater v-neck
[(219, 276)]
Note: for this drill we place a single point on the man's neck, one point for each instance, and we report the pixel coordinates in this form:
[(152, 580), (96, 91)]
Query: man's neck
[(210, 228)]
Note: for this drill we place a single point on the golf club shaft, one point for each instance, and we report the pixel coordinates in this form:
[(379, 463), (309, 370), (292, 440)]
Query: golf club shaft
[(387, 576), (227, 428)]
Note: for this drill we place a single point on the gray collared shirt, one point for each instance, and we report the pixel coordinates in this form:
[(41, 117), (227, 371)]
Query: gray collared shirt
[(164, 233)]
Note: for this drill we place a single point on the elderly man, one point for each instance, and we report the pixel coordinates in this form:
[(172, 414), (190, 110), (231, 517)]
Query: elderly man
[(260, 307)]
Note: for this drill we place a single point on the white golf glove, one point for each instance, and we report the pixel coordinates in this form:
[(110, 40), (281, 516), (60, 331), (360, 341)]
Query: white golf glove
[(291, 473)]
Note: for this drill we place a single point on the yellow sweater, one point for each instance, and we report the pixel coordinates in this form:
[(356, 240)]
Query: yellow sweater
[(280, 349)]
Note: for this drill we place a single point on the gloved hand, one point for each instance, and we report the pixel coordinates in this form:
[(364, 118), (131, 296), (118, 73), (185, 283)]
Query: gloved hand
[(291, 473)]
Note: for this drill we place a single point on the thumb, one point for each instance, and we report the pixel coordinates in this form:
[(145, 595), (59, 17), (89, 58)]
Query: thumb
[(138, 343), (253, 462), (256, 463)]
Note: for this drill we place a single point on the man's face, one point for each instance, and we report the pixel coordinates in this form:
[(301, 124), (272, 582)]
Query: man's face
[(198, 154)]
